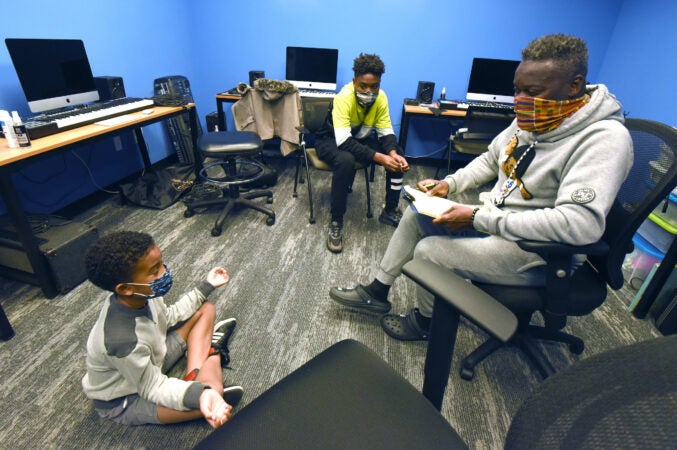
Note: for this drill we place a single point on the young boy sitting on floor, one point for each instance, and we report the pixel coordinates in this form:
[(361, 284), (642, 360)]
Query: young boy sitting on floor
[(137, 339)]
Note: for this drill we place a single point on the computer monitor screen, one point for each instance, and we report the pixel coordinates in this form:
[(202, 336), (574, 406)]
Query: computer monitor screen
[(312, 68), (491, 80), (54, 73)]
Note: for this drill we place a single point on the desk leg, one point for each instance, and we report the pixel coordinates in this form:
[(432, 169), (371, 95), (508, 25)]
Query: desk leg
[(221, 116), (404, 129), (26, 237), (141, 142), (197, 157)]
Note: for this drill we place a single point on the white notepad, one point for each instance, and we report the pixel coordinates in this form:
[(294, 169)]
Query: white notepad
[(425, 204)]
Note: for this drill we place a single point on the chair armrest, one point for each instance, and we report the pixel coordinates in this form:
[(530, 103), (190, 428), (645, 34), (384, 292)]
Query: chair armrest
[(556, 248), (469, 300)]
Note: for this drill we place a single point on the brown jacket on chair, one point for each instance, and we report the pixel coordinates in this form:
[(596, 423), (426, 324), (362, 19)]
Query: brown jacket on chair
[(271, 108)]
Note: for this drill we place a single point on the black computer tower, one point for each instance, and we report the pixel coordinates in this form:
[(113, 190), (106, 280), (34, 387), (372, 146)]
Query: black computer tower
[(63, 245), (178, 128)]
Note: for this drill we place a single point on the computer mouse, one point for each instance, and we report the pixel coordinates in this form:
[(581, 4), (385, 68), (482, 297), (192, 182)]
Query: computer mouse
[(147, 111)]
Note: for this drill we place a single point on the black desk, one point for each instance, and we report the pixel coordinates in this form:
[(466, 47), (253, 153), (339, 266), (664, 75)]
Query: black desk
[(14, 159)]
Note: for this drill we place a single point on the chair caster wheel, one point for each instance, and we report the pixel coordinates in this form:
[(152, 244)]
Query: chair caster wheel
[(269, 200), (216, 231), (311, 220), (188, 213), (270, 221), (467, 374), (370, 215), (295, 195), (576, 348)]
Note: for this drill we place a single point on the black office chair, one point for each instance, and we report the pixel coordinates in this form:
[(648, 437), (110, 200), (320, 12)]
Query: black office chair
[(314, 114), (651, 179), (348, 397), (229, 163), (480, 126)]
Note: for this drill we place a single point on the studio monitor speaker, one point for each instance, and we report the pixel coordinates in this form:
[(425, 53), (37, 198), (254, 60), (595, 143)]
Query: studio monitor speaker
[(255, 75), (424, 94), (110, 88)]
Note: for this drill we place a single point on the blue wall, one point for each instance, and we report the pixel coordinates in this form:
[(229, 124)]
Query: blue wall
[(215, 43)]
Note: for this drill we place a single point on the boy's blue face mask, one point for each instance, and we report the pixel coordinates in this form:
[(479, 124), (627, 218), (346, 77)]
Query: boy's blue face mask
[(159, 286)]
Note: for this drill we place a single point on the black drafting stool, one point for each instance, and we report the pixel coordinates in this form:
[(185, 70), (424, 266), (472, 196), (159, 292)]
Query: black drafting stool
[(232, 151)]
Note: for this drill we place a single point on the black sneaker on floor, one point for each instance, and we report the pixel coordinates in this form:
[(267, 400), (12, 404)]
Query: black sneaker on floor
[(335, 238), (223, 330), (359, 298), (233, 394), (390, 217)]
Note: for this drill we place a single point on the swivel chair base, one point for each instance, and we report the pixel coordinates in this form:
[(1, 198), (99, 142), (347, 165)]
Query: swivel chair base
[(524, 340), (230, 203), (229, 164)]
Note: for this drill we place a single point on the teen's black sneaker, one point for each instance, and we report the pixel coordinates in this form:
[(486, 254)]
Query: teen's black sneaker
[(390, 217), (223, 330), (334, 238), (233, 394), (359, 298)]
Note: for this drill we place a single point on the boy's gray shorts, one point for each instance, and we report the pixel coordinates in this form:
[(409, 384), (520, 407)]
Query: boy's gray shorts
[(134, 410)]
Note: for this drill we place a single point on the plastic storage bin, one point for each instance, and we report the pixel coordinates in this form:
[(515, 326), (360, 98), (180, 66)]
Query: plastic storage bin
[(658, 232), (641, 261)]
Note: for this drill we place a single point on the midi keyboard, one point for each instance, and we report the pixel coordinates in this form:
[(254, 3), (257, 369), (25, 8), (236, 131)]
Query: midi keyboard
[(48, 124)]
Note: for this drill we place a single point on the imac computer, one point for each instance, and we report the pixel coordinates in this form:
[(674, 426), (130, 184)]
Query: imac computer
[(491, 80), (312, 68), (54, 73)]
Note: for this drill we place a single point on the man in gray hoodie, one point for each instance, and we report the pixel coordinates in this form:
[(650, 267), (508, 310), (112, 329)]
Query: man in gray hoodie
[(556, 171)]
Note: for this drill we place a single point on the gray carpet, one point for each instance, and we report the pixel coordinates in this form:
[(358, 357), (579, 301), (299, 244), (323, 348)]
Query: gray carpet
[(281, 276)]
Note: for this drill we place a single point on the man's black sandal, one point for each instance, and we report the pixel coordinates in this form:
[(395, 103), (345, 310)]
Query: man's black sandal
[(404, 327)]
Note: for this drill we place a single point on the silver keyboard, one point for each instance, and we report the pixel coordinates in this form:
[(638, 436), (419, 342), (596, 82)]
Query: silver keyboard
[(52, 123), (316, 93), (93, 116)]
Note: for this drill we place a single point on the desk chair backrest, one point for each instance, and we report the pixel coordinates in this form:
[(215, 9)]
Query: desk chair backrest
[(490, 122), (314, 112), (652, 177), (480, 127), (601, 402)]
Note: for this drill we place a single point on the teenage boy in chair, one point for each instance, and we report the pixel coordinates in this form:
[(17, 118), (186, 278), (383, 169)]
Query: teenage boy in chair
[(138, 338), (358, 128)]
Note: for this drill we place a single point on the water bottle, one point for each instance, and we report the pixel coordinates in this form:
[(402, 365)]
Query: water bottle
[(20, 130), (8, 129)]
